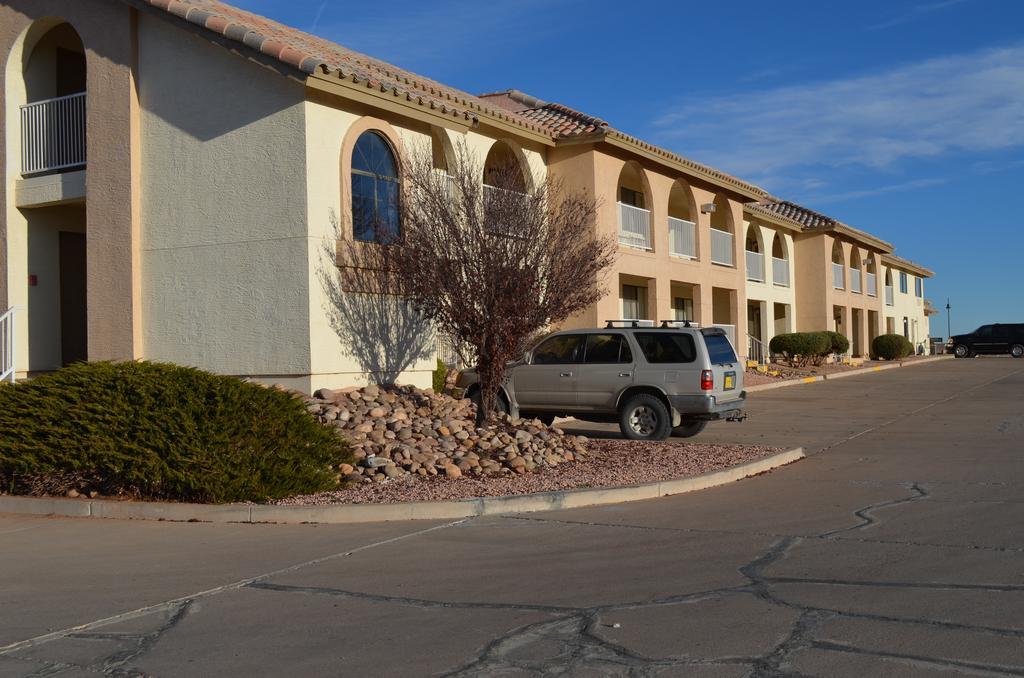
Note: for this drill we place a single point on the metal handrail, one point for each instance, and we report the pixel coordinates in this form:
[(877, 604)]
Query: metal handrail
[(756, 350), (682, 240), (755, 266), (635, 227), (8, 354), (722, 247), (53, 134)]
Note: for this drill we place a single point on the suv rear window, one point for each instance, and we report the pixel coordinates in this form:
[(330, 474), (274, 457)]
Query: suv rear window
[(607, 348), (558, 350), (667, 347), (719, 349)]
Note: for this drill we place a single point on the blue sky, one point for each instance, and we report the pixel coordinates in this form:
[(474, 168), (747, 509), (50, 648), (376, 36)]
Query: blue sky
[(904, 118)]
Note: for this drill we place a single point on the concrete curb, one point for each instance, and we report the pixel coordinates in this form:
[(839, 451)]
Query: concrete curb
[(369, 513), (842, 375)]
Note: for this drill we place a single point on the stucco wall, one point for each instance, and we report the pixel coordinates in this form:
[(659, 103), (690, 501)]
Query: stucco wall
[(106, 28), (224, 241), (906, 305), (768, 293), (355, 338)]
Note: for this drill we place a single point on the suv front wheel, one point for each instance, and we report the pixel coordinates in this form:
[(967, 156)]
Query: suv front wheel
[(645, 417), (961, 351)]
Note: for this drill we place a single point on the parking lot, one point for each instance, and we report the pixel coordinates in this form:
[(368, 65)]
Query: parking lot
[(894, 549)]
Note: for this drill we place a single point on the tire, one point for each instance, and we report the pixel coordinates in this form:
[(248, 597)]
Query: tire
[(645, 417), (500, 403), (689, 428), (1017, 351), (962, 351)]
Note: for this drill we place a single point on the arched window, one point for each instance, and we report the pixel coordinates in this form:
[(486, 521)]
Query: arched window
[(374, 190)]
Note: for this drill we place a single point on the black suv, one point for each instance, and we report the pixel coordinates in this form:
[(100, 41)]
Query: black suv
[(991, 339)]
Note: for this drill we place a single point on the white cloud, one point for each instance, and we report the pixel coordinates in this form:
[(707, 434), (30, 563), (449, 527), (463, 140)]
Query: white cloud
[(914, 13), (967, 103), (878, 190)]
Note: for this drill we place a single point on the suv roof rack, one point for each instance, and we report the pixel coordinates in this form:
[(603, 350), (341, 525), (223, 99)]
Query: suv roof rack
[(678, 323), (612, 324)]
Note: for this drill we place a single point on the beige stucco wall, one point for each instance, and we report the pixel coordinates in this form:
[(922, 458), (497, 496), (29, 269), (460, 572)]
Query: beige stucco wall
[(768, 293), (355, 338), (598, 170), (906, 305), (106, 28), (224, 241)]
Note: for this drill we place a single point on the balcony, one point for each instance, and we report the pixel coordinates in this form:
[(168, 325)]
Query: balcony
[(872, 285), (682, 239), (780, 272), (755, 266), (634, 227), (855, 280), (53, 135), (888, 295), (838, 276), (722, 248)]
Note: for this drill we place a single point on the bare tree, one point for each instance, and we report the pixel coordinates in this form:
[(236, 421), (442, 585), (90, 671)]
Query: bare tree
[(490, 264)]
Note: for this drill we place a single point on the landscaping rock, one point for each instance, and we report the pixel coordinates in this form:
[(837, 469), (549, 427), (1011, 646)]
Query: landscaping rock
[(404, 431)]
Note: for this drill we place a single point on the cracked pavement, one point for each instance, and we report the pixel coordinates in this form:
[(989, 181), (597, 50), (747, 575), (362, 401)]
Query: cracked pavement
[(895, 549)]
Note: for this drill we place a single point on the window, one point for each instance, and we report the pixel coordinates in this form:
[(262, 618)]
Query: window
[(720, 351), (563, 349), (627, 196), (374, 190), (667, 347), (985, 331), (918, 287), (682, 308), (607, 348), (903, 282), (634, 302)]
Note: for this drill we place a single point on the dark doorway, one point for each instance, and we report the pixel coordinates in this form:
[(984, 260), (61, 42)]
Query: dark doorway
[(70, 72), (73, 312)]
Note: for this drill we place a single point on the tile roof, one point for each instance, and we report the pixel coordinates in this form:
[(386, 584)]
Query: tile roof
[(807, 218), (564, 121)]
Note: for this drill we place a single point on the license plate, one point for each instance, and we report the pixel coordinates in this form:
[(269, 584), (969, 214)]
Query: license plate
[(730, 381)]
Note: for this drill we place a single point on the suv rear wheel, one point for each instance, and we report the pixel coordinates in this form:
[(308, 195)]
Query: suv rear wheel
[(689, 428), (1017, 351), (645, 417), (961, 351)]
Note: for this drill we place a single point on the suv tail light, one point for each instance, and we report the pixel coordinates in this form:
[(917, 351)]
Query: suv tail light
[(707, 380)]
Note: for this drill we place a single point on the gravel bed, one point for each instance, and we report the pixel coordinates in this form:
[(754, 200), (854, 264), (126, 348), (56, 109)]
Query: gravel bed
[(608, 463)]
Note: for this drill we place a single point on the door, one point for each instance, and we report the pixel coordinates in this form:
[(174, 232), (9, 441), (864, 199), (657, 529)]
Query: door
[(606, 370), (73, 312), (548, 382)]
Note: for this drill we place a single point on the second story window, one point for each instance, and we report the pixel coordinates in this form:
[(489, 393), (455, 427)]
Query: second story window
[(375, 190), (627, 196), (918, 287), (903, 282)]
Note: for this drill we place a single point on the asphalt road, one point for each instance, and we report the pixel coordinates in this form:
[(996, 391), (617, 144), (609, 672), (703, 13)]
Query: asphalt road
[(895, 549)]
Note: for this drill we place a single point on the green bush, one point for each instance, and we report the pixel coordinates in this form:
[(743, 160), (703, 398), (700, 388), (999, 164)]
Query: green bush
[(891, 346), (440, 376), (838, 342), (801, 348), (155, 430)]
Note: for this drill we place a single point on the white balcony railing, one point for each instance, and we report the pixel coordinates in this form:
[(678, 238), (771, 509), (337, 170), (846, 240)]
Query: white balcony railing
[(872, 285), (682, 238), (755, 266), (888, 295), (53, 134), (634, 227), (780, 272), (722, 248), (7, 346), (855, 280), (838, 276)]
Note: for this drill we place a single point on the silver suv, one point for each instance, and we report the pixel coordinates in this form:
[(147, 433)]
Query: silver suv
[(653, 380)]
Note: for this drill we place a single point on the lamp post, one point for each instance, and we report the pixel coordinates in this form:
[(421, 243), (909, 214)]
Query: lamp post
[(949, 332)]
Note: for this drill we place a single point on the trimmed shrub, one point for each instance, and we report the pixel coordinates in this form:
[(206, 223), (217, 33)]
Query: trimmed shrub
[(891, 346), (838, 342), (800, 348), (440, 376), (155, 430)]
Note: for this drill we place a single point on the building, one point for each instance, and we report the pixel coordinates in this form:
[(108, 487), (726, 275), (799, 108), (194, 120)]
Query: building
[(175, 170)]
